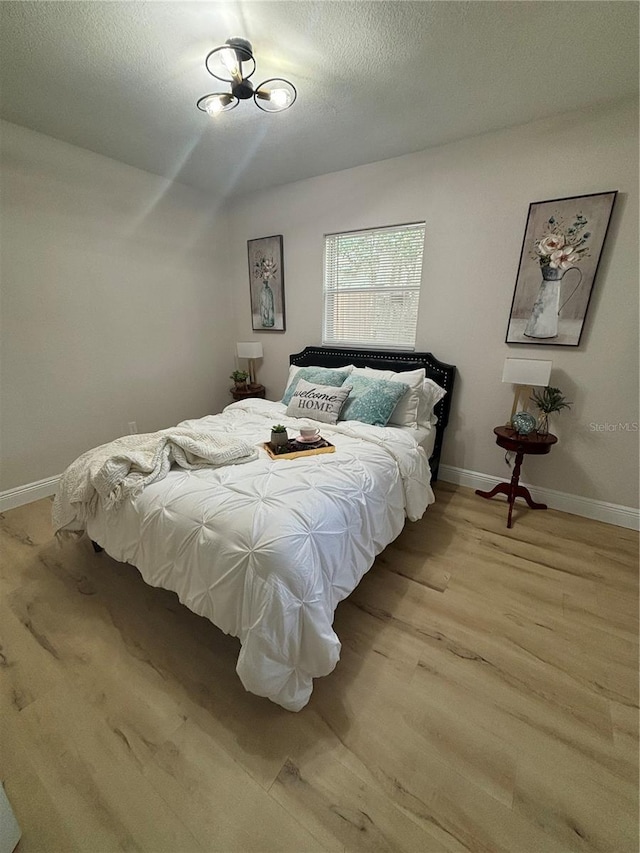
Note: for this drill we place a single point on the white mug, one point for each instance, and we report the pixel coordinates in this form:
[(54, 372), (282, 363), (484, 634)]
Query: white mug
[(309, 432)]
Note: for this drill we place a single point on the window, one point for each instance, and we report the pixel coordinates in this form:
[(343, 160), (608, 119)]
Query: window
[(372, 286)]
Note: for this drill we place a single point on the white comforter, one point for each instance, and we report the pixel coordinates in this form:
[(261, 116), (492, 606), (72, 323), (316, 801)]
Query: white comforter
[(268, 549), (122, 468)]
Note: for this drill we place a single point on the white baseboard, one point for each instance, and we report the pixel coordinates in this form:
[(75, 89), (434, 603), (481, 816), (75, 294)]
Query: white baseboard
[(621, 516), (27, 494)]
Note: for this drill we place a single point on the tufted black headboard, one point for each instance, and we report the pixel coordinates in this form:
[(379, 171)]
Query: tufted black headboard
[(443, 374)]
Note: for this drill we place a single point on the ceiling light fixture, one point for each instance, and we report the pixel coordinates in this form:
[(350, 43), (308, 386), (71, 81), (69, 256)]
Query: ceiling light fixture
[(233, 63)]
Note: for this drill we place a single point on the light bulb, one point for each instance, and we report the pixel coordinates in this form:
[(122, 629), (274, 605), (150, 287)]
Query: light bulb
[(280, 97), (230, 61), (217, 102), (214, 105), (274, 95)]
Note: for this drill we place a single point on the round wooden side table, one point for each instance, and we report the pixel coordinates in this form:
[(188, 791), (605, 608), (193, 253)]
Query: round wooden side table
[(534, 444), (250, 391)]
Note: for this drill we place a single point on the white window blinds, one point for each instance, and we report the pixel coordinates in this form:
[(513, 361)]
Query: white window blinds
[(372, 286)]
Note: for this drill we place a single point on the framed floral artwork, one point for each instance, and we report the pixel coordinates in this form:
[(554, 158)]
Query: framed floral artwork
[(560, 254), (266, 284)]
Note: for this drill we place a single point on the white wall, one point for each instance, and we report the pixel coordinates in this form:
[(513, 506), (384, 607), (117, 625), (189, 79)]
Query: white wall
[(115, 304), (474, 197), (117, 288)]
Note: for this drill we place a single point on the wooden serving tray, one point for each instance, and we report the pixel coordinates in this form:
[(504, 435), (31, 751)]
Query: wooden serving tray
[(295, 450)]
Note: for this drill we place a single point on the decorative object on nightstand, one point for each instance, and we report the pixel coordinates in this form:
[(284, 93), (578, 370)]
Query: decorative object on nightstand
[(240, 378), (251, 350), (524, 373), (534, 444), (548, 400), (523, 423)]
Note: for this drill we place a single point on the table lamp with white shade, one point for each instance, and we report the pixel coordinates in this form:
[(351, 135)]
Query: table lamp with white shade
[(525, 373), (250, 350)]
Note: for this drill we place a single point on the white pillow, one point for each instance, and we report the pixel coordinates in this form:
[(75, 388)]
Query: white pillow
[(406, 410), (431, 393), (318, 402)]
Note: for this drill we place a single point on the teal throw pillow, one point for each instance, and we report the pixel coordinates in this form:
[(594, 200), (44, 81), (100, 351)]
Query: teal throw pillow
[(371, 401), (316, 375)]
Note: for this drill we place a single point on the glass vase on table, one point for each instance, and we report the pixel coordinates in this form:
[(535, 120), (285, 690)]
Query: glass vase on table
[(543, 424)]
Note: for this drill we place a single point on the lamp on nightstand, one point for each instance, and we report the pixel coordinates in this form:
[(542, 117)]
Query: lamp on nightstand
[(250, 350), (524, 373)]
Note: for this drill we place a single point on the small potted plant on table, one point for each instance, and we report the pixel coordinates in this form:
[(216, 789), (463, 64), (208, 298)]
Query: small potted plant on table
[(548, 400), (240, 378), (279, 437)]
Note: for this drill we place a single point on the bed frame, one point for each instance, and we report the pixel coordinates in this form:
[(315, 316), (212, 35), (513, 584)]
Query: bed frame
[(443, 374)]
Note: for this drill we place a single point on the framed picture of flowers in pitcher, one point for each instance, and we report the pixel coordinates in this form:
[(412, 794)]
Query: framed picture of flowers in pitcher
[(266, 284), (561, 251)]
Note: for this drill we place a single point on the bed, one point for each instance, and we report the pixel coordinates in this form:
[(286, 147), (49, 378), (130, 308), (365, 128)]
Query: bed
[(266, 550)]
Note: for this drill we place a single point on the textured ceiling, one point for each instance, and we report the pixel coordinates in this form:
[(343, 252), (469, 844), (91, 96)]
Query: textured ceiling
[(374, 79)]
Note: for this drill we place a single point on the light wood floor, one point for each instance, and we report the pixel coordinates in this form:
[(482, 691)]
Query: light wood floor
[(486, 700)]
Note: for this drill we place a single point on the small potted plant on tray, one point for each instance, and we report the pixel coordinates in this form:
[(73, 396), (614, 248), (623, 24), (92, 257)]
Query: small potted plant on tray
[(279, 437), (240, 378), (548, 400)]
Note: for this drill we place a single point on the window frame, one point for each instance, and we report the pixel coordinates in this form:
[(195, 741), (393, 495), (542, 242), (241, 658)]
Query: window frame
[(326, 289)]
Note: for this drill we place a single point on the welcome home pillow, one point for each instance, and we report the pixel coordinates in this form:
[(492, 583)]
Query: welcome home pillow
[(371, 400), (318, 402), (318, 375)]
